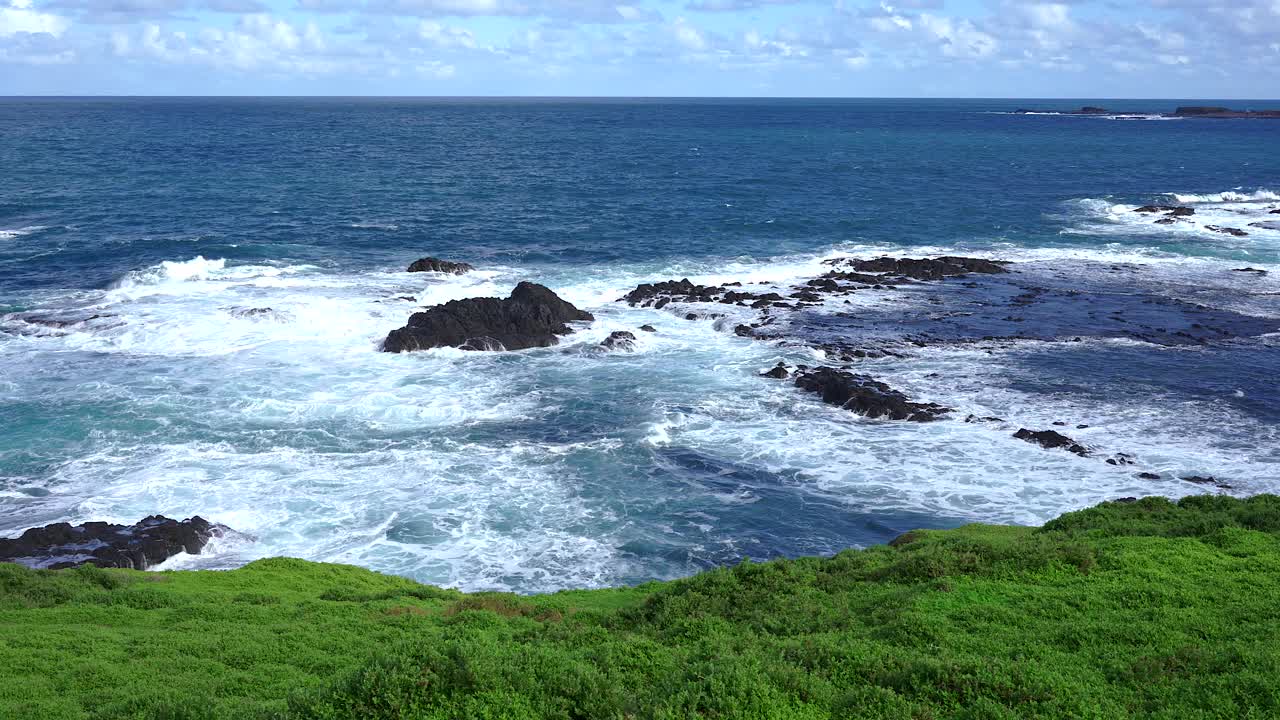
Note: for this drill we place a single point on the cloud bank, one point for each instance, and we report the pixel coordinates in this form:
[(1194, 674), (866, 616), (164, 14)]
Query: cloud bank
[(1085, 48)]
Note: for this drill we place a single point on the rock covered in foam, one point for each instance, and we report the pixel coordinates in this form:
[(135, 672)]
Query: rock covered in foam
[(1052, 440), (149, 542), (1172, 210), (619, 340), (431, 264), (533, 316), (866, 396)]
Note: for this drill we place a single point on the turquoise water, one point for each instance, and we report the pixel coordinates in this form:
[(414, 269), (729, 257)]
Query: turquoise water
[(568, 467)]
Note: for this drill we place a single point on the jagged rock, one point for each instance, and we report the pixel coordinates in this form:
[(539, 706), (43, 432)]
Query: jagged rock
[(1171, 210), (1250, 270), (619, 340), (1149, 475), (533, 316), (430, 264), (744, 331), (1206, 480), (779, 372), (1120, 459), (259, 313), (659, 294), (1234, 232), (1051, 439), (865, 396), (149, 542), (649, 328), (929, 268)]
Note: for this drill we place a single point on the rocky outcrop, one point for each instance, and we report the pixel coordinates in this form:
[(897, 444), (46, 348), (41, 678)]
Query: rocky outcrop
[(659, 294), (1052, 440), (1171, 210), (619, 340), (1235, 232), (260, 313), (149, 542), (436, 265), (928, 268), (865, 396), (533, 316), (779, 372)]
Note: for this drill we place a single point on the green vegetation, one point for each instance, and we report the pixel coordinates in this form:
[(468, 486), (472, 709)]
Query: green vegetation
[(1148, 609)]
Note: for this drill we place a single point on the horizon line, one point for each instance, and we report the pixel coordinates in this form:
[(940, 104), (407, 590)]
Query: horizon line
[(629, 97)]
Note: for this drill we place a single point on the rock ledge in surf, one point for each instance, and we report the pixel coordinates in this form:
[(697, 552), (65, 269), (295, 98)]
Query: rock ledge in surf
[(140, 546), (1051, 440), (928, 268), (866, 396), (619, 340), (431, 264), (533, 316)]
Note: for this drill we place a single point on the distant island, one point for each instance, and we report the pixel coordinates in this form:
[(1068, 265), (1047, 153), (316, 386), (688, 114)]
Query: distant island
[(1188, 111)]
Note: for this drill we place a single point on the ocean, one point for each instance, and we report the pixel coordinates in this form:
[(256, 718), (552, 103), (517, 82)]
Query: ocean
[(136, 235)]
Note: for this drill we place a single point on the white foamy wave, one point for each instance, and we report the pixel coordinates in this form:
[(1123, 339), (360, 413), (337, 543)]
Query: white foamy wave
[(1231, 196), (197, 268), (1230, 220), (19, 232)]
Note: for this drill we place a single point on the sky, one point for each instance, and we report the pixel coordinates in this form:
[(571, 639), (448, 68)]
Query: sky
[(808, 48)]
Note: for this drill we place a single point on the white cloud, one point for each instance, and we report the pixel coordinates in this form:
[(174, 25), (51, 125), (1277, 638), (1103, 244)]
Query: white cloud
[(19, 17)]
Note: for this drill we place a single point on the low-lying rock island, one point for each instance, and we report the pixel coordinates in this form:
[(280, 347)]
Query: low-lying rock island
[(533, 316), (140, 546)]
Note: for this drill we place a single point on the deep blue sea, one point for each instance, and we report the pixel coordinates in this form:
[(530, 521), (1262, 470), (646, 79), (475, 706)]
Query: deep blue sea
[(135, 233)]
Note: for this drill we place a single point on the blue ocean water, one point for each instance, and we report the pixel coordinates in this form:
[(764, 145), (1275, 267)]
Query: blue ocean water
[(134, 234)]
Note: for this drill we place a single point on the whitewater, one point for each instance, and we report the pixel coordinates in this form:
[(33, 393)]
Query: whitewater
[(175, 366)]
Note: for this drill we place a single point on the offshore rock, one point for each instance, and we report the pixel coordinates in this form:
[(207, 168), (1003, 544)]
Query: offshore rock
[(929, 268), (1173, 210), (1235, 232), (866, 396), (1052, 440), (430, 264), (149, 542), (533, 316), (659, 294), (619, 340)]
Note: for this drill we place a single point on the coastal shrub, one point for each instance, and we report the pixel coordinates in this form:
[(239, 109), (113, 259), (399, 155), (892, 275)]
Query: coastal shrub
[(1147, 609)]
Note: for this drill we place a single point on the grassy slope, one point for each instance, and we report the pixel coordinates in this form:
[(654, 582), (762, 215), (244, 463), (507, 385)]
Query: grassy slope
[(1150, 609)]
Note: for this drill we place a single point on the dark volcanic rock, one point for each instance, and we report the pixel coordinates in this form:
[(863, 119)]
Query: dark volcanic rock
[(1205, 480), (532, 317), (865, 396), (928, 268), (1227, 231), (430, 264), (779, 372), (653, 294), (619, 340), (1172, 210), (649, 328), (1200, 110), (139, 546), (1051, 439), (1254, 270)]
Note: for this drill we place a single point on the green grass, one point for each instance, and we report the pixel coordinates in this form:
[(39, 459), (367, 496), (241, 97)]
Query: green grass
[(1148, 610)]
